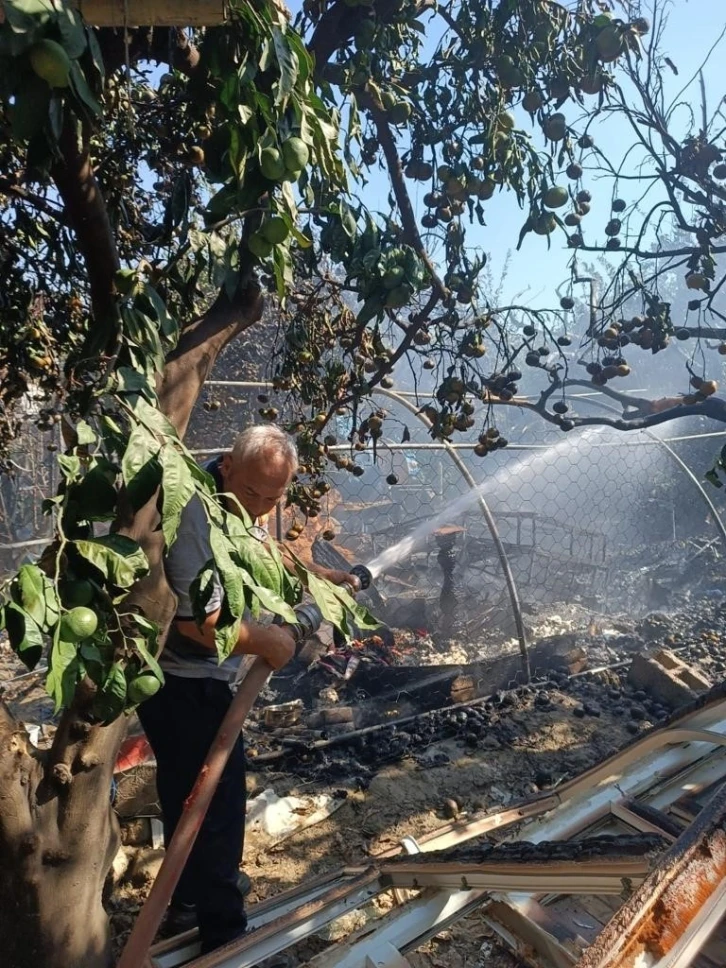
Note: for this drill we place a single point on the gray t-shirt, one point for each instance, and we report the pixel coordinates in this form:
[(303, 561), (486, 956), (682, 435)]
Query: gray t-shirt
[(188, 555)]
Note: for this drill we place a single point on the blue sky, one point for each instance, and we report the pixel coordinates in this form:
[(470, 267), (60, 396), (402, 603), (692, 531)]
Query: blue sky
[(535, 272)]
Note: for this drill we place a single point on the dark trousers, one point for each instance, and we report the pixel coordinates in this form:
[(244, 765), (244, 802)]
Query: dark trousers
[(180, 722)]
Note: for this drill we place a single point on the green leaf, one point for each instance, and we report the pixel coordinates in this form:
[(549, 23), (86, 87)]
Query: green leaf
[(271, 602), (131, 381), (166, 322), (282, 264), (85, 434), (337, 605), (201, 590), (12, 43), (109, 701), (153, 419), (31, 586), (119, 559), (70, 466), (229, 573), (140, 646), (142, 447), (72, 31), (140, 467), (95, 52), (226, 634), (26, 638), (203, 478), (79, 86), (287, 62), (255, 556), (94, 497), (177, 488), (63, 674), (91, 653), (27, 15)]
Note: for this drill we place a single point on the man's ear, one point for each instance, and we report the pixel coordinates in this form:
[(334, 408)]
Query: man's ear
[(225, 467)]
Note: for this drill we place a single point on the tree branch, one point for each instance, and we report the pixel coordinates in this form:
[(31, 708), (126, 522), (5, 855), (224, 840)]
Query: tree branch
[(9, 186), (387, 142), (86, 213), (639, 404), (190, 364)]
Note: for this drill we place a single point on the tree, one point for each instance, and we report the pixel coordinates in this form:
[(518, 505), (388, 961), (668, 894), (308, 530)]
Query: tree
[(144, 214)]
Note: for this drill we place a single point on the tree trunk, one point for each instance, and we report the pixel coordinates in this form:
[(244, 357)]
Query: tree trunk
[(58, 837), (58, 831)]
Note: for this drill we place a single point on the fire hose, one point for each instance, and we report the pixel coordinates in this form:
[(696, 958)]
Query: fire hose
[(135, 953)]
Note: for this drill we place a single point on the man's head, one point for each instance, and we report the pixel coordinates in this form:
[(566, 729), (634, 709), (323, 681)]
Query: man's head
[(260, 468)]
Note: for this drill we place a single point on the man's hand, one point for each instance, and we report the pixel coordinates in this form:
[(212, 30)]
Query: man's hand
[(275, 644), (340, 578)]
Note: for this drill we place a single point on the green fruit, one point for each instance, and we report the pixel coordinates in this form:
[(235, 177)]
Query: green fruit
[(506, 121), (556, 197), (400, 112), (610, 43), (532, 101), (486, 189), (271, 164), (394, 277), (143, 687), (295, 154), (50, 61), (79, 623), (275, 230), (545, 224), (388, 100), (76, 593), (259, 245), (591, 83), (398, 297), (555, 127)]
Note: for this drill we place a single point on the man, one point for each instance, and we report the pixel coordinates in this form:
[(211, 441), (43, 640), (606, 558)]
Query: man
[(182, 719)]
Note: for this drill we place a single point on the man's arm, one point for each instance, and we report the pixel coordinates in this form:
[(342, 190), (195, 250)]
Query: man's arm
[(274, 643), (333, 575)]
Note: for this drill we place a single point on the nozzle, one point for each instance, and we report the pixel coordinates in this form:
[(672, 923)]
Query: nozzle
[(309, 620), (363, 575)]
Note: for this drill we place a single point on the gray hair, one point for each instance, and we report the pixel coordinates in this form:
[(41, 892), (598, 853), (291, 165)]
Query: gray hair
[(261, 439)]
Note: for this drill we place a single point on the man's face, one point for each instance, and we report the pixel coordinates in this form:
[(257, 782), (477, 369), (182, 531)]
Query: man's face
[(258, 483)]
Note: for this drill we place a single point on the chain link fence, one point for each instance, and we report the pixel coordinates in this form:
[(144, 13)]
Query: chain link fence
[(610, 520)]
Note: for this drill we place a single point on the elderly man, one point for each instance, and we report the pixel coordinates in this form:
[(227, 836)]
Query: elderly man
[(182, 719)]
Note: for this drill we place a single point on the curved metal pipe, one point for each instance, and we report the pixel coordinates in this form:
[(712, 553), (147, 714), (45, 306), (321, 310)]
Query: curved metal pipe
[(491, 524)]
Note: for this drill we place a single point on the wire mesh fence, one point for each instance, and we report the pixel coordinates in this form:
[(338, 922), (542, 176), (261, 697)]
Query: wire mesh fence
[(597, 517)]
